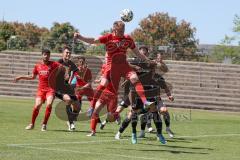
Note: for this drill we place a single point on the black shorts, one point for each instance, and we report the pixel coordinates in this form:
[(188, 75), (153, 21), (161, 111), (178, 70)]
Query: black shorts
[(139, 104), (60, 96)]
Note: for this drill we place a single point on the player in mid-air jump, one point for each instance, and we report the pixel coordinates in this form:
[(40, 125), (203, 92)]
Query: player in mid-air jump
[(117, 66)]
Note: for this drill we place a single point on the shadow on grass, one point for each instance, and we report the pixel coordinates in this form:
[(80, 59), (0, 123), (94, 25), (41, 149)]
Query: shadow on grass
[(170, 140), (161, 150), (179, 147)]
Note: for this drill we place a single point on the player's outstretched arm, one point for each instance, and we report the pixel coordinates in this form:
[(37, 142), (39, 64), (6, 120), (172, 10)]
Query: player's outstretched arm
[(30, 77), (89, 40)]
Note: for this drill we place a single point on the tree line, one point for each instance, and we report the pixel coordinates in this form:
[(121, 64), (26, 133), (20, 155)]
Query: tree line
[(159, 31)]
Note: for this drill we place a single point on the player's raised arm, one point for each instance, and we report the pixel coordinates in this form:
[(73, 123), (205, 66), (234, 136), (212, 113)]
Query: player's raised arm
[(30, 77), (89, 40)]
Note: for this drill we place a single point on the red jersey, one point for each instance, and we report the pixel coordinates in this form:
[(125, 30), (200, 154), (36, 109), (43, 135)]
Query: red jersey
[(43, 71), (116, 46), (84, 77)]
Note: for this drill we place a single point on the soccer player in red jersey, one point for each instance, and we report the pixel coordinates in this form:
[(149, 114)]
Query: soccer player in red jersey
[(83, 80), (43, 69), (116, 65), (108, 98)]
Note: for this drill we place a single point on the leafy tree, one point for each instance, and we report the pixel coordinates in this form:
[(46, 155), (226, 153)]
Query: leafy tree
[(6, 31), (30, 32), (226, 49), (3, 45), (17, 43), (159, 29), (60, 35)]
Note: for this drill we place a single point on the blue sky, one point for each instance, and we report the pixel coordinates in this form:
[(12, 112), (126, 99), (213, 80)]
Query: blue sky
[(212, 18)]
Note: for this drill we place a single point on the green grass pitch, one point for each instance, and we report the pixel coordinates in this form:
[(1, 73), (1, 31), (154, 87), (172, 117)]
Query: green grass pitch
[(203, 135)]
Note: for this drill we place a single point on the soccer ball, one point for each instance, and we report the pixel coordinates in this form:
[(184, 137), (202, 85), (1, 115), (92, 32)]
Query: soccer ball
[(126, 15)]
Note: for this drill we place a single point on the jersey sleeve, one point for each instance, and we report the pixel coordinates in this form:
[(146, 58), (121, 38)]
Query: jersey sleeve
[(104, 39), (35, 71)]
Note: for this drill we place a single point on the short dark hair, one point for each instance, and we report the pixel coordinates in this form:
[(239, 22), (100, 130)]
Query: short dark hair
[(143, 47), (46, 51), (118, 24), (66, 47), (81, 57)]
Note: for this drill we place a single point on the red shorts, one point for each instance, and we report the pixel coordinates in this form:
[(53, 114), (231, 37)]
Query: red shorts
[(45, 93), (110, 100), (114, 73), (85, 92)]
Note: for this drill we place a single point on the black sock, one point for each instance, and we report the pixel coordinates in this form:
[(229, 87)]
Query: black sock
[(75, 114), (149, 117), (143, 121), (124, 125), (69, 113), (166, 117), (134, 122), (158, 122), (99, 120)]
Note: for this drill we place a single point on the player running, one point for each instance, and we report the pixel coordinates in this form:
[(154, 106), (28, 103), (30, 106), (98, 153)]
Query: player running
[(43, 70)]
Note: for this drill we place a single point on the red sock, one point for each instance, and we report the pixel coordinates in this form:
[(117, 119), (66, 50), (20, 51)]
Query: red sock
[(47, 114), (97, 94), (94, 121), (34, 114), (94, 124), (140, 91)]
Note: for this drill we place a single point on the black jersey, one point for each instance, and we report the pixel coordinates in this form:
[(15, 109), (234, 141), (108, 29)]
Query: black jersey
[(69, 66), (146, 69)]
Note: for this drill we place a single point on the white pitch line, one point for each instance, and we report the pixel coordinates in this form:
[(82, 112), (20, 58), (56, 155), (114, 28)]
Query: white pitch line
[(81, 152), (55, 143), (106, 141), (213, 135)]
